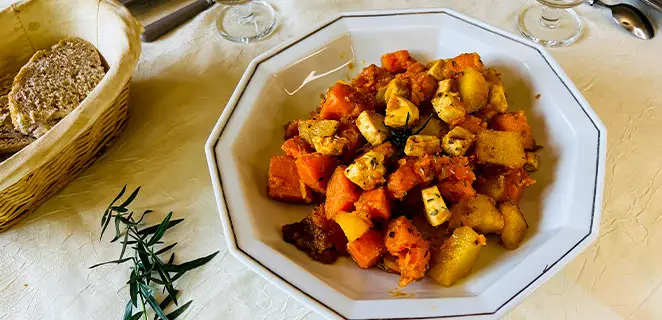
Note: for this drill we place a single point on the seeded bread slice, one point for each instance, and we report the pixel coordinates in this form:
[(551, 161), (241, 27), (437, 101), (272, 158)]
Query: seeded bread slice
[(11, 140), (52, 84)]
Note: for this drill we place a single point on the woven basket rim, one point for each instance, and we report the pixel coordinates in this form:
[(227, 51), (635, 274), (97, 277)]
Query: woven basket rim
[(69, 128)]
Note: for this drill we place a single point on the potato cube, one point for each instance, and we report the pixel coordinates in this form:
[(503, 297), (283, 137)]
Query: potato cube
[(396, 87), (448, 85), (371, 125), (500, 148), (532, 162), (435, 208), (400, 112), (497, 98), (457, 141), (351, 224), (456, 257), (449, 107), (368, 170), (478, 212), (332, 146), (493, 187), (420, 145), (435, 69), (435, 127), (473, 89), (492, 76), (515, 226), (308, 129)]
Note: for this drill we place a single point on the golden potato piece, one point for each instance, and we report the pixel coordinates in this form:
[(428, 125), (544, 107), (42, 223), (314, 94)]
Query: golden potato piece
[(515, 226), (473, 89), (479, 212), (400, 112), (435, 127), (493, 187), (456, 257), (435, 69), (501, 148)]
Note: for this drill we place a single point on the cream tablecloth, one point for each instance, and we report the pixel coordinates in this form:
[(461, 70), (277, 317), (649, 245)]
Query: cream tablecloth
[(179, 90)]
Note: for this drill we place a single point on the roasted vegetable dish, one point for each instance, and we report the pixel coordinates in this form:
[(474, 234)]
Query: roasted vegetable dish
[(409, 166)]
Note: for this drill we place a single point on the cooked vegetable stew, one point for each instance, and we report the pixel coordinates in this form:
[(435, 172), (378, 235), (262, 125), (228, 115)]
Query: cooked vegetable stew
[(409, 166)]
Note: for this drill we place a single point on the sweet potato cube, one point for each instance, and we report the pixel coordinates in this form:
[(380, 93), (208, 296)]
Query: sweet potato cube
[(368, 249), (315, 169), (345, 102), (402, 180), (296, 147), (515, 122), (376, 204), (341, 193), (284, 183), (396, 62)]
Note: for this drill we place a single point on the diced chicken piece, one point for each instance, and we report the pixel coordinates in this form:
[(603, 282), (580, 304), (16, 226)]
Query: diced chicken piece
[(449, 107), (448, 85), (308, 129), (457, 141), (435, 208), (420, 145), (368, 170), (332, 146), (396, 87), (436, 68), (400, 112), (371, 125)]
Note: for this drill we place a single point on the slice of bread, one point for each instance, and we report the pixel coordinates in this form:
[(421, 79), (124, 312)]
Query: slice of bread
[(11, 140), (52, 84)]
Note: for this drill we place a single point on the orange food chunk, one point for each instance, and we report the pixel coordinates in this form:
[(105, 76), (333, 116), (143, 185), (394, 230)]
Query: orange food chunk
[(344, 102), (375, 204), (472, 124), (284, 183), (368, 249), (422, 86), (296, 147), (405, 242), (341, 193), (453, 190), (402, 180), (396, 62), (515, 121), (291, 129), (516, 183), (453, 67), (355, 141), (371, 79), (315, 169)]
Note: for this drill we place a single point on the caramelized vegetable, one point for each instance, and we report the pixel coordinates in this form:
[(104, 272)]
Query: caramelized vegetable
[(284, 182), (344, 102), (341, 193), (368, 249), (375, 204), (371, 79), (405, 242), (516, 122), (396, 62), (515, 226), (315, 169), (478, 212), (456, 257), (296, 147), (352, 224)]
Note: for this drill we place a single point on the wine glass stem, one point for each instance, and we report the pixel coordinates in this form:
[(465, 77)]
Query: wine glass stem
[(550, 17), (244, 13)]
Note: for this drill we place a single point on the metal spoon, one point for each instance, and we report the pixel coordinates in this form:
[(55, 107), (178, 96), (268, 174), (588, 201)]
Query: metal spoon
[(630, 18)]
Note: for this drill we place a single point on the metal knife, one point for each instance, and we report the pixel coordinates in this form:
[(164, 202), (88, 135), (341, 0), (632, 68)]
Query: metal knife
[(163, 25)]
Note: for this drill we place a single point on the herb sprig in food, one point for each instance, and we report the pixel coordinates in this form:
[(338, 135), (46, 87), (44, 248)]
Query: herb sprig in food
[(399, 136), (148, 270)]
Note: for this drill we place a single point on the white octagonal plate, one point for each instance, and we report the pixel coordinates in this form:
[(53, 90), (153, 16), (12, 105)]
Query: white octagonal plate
[(563, 208)]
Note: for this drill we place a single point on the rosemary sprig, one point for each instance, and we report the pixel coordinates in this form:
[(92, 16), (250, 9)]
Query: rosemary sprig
[(148, 269), (399, 136)]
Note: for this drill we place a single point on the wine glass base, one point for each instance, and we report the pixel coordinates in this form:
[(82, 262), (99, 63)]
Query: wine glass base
[(246, 23), (566, 31)]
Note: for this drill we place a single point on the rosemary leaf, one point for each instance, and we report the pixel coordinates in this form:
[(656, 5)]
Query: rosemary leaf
[(130, 199), (165, 303), (160, 231), (165, 249), (147, 294), (152, 229), (117, 228), (137, 316), (109, 262), (189, 265), (175, 314), (133, 289), (128, 310), (124, 243), (107, 212)]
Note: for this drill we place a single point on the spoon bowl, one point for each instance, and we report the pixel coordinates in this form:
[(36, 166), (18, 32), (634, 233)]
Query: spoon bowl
[(630, 18)]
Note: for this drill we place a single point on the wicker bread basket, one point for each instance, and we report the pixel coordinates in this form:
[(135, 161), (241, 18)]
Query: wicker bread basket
[(31, 176)]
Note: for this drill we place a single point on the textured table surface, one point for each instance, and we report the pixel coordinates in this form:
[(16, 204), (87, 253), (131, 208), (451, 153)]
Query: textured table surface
[(179, 90)]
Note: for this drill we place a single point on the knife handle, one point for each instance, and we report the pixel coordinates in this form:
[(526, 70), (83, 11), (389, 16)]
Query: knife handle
[(161, 26)]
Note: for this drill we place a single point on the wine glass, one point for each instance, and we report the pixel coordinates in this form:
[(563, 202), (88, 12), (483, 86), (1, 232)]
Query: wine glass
[(246, 21), (552, 23)]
